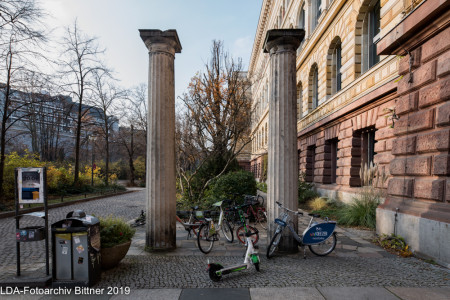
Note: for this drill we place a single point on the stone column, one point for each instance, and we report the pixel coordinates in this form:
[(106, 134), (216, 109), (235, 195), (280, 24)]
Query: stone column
[(283, 156), (161, 181)]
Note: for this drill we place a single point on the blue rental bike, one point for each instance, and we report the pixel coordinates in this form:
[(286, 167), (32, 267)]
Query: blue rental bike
[(319, 237)]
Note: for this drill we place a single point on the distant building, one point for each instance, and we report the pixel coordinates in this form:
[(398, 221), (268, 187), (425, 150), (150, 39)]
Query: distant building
[(46, 124), (372, 86)]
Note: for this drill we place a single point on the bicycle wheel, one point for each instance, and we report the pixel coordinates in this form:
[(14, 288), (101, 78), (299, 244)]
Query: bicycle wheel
[(205, 239), (240, 233), (227, 231), (324, 248), (273, 244), (262, 218)]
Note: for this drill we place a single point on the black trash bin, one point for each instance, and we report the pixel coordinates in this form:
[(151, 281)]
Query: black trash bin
[(76, 250)]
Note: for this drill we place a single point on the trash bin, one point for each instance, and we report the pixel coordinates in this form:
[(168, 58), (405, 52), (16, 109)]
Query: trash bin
[(76, 250)]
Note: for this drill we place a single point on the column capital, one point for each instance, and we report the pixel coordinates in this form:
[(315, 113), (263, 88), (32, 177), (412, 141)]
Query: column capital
[(283, 37), (157, 40)]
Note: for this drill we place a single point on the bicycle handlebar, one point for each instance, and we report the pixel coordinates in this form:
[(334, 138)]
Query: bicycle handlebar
[(285, 208)]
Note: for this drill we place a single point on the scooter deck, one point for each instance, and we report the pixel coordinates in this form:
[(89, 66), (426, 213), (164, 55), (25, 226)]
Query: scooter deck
[(233, 268)]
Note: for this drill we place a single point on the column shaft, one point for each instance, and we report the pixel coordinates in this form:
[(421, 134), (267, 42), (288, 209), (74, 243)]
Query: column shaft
[(161, 178), (283, 157)]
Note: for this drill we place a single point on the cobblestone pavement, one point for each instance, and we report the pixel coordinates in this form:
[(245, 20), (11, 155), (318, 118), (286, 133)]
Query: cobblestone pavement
[(127, 206), (355, 261)]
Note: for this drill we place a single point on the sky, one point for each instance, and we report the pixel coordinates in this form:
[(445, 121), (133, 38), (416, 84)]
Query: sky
[(198, 22)]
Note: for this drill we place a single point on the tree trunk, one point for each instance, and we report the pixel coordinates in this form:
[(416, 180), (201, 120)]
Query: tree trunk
[(77, 145), (131, 158)]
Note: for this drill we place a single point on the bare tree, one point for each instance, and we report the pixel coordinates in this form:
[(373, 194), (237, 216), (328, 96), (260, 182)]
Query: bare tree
[(106, 98), (21, 35), (133, 136), (80, 64), (216, 122)]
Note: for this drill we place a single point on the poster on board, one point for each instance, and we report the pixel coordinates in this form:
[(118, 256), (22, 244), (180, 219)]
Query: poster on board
[(30, 185)]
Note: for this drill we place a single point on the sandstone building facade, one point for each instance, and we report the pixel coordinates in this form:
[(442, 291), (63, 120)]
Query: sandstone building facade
[(372, 86)]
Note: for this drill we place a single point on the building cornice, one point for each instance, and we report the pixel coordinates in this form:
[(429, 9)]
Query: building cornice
[(259, 36)]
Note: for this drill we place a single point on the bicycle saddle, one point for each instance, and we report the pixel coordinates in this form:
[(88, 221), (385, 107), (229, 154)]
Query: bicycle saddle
[(314, 215)]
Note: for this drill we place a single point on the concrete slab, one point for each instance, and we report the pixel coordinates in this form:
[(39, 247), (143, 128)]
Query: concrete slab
[(216, 294), (301, 293), (151, 294), (412, 293), (356, 293)]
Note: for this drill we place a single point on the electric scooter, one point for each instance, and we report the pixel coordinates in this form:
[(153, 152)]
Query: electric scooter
[(251, 258)]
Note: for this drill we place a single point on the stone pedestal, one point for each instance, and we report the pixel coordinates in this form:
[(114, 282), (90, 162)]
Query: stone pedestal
[(161, 181), (283, 157)]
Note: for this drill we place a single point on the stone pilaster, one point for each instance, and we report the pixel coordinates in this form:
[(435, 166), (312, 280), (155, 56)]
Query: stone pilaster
[(161, 181), (283, 157)]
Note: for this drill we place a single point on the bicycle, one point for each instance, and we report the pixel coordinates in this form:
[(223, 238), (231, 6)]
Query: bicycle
[(319, 237), (208, 232), (244, 227), (216, 271), (259, 215), (193, 222)]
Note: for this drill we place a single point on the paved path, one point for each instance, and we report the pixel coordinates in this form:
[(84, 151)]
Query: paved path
[(357, 269), (127, 206)]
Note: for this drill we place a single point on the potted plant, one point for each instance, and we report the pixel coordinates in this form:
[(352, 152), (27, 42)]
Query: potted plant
[(115, 235)]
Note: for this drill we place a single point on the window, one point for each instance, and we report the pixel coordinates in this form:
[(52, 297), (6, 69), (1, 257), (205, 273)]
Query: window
[(369, 21), (334, 76), (310, 162), (374, 30), (367, 148), (316, 11), (313, 87), (299, 100), (267, 133), (301, 25), (334, 158)]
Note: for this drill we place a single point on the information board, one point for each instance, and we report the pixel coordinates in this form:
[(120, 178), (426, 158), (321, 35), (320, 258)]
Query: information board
[(30, 185)]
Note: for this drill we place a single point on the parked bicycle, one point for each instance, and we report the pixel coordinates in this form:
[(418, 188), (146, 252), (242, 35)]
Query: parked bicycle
[(244, 227), (256, 210), (191, 220), (319, 237), (208, 232)]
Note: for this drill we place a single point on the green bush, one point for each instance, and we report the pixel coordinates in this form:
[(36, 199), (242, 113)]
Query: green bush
[(240, 182), (114, 231), (194, 193), (305, 189), (262, 186), (12, 162)]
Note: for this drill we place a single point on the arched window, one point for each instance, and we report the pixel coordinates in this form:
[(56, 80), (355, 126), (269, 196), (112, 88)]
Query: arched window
[(267, 133), (299, 100), (316, 11), (313, 97), (368, 30), (334, 78), (301, 24)]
